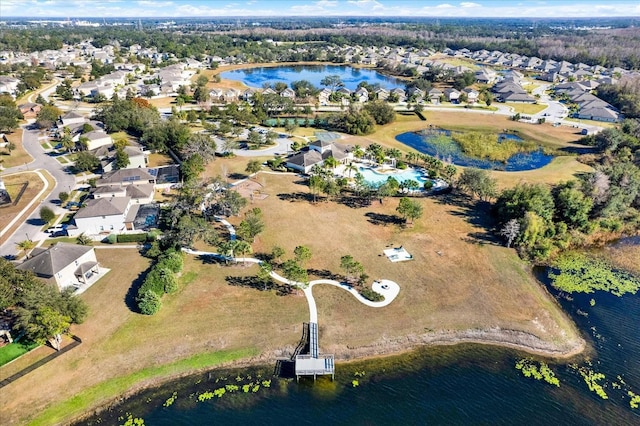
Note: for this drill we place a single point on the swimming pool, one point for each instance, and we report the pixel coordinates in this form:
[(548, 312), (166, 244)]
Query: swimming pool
[(371, 176)]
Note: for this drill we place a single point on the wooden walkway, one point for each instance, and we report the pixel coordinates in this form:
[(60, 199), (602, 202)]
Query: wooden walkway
[(314, 364)]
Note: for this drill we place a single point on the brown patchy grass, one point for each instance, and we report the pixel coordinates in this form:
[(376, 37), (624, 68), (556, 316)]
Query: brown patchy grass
[(158, 159), (18, 156), (626, 257), (14, 184), (455, 283)]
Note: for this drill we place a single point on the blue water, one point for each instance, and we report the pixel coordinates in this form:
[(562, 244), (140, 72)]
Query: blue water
[(453, 385), (351, 77), (374, 177), (451, 152)]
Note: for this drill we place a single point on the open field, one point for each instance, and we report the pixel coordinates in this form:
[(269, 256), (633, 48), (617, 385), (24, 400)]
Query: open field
[(469, 63), (459, 280), (18, 156), (15, 183)]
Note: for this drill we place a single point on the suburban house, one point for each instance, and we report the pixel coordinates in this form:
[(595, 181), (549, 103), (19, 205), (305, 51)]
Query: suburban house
[(472, 95), (317, 152), (29, 109), (107, 155), (96, 139), (452, 95), (72, 118), (362, 95), (122, 201), (382, 94), (598, 113), (435, 95), (64, 264)]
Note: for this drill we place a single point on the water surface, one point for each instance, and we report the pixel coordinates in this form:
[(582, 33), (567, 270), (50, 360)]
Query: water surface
[(351, 77)]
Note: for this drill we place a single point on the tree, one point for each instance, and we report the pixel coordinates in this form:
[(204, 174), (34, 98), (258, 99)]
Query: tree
[(294, 272), (382, 112), (409, 209), (201, 144), (251, 226), (513, 203), (67, 142), (351, 266), (9, 114), (478, 182), (47, 215), (149, 302), (86, 161), (302, 254), (510, 231), (255, 138), (333, 82), (122, 159), (253, 166), (276, 253), (26, 245), (242, 248), (48, 324), (331, 162), (264, 274), (572, 207), (63, 197)]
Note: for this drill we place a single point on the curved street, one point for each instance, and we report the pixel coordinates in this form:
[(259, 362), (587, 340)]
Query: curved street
[(32, 226)]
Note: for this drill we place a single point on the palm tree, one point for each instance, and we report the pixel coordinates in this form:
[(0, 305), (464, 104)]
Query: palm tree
[(67, 143), (84, 240), (26, 245), (331, 163), (358, 152), (227, 250), (351, 168), (411, 156)]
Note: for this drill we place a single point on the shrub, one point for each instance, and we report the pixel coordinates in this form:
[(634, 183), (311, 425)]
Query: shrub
[(371, 295), (47, 215), (110, 239), (149, 303), (132, 238), (153, 235), (172, 261)]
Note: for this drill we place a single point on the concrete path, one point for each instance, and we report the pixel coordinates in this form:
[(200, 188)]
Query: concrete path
[(388, 289)]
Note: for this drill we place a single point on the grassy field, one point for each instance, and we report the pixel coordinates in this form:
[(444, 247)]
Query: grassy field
[(527, 109), (14, 184), (18, 156), (460, 279)]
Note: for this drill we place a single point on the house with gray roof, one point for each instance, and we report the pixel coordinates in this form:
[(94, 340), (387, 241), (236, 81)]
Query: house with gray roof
[(65, 265)]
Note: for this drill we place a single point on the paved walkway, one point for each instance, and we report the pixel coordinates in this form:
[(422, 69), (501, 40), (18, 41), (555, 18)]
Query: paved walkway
[(388, 289)]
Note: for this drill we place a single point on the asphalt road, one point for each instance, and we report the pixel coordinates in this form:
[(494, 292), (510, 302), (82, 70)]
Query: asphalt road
[(64, 181)]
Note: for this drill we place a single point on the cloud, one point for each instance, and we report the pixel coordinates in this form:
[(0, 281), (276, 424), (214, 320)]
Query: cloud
[(468, 4), (372, 4), (445, 6)]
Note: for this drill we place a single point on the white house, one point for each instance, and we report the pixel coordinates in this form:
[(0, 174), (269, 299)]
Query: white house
[(97, 138), (103, 215), (72, 117), (65, 264)]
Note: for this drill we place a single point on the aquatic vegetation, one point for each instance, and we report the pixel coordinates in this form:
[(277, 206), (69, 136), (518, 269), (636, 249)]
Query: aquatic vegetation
[(578, 272), (355, 383), (592, 302), (232, 388), (133, 421), (170, 400), (490, 145), (541, 371), (591, 378), (205, 396), (634, 402), (266, 383), (359, 374)]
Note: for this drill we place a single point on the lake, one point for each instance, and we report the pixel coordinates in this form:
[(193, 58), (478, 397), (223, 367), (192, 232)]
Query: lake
[(351, 77), (438, 143), (453, 385)]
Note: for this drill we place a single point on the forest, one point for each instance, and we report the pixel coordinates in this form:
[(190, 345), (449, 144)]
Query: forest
[(548, 39)]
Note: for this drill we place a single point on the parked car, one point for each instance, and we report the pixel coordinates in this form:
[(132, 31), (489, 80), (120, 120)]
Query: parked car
[(57, 234), (56, 228)]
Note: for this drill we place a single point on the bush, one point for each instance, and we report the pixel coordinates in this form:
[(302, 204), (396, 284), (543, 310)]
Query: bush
[(47, 215), (132, 238), (153, 235), (110, 239), (371, 295), (172, 261), (149, 303)]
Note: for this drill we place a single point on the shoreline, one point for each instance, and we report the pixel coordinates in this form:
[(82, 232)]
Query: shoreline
[(497, 337)]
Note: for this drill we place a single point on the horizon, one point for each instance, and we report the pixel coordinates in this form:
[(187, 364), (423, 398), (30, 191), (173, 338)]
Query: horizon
[(211, 9)]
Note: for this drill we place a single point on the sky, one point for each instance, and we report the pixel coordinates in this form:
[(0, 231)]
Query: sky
[(220, 8)]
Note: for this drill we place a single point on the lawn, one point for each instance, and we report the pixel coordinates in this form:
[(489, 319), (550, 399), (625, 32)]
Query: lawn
[(14, 350), (15, 184), (18, 156), (460, 279), (526, 109)]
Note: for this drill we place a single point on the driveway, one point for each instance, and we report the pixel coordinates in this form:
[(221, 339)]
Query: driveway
[(64, 181)]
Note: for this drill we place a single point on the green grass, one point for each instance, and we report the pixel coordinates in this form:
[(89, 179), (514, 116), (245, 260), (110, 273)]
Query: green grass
[(487, 145), (112, 388), (14, 350), (45, 145), (527, 109), (62, 160)]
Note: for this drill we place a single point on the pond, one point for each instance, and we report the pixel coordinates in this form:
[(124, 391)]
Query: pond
[(438, 143), (351, 77)]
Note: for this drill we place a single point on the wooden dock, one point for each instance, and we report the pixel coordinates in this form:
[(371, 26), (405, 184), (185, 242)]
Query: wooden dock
[(314, 364)]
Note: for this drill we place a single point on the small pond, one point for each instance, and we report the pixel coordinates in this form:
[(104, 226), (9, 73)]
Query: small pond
[(351, 77), (433, 143)]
